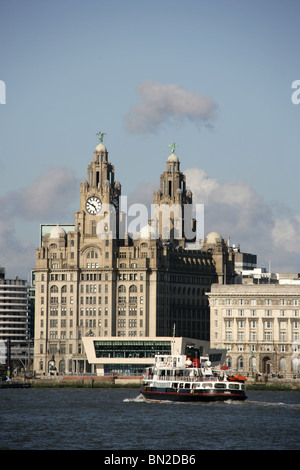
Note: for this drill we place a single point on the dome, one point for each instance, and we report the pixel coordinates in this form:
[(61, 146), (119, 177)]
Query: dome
[(213, 237), (173, 158), (100, 148), (57, 232), (148, 232)]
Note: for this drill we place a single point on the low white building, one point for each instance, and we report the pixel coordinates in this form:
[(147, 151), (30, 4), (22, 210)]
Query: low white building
[(132, 356)]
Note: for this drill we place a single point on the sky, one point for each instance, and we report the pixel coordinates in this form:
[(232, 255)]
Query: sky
[(213, 76)]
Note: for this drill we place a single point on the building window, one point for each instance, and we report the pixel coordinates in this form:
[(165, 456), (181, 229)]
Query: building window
[(241, 363), (282, 336), (268, 335), (93, 227)]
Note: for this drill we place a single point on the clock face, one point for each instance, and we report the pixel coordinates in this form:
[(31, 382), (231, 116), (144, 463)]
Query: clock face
[(93, 205)]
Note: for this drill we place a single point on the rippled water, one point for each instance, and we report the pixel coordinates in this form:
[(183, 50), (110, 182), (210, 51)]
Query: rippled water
[(120, 419)]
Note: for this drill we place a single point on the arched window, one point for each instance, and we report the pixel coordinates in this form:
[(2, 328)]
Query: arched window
[(53, 289), (283, 365), (132, 295), (228, 362), (62, 366), (122, 288), (132, 289)]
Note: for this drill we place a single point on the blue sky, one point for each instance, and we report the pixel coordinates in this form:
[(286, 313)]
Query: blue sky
[(74, 68)]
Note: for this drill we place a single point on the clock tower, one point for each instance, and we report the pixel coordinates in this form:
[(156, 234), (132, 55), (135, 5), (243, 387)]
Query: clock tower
[(99, 197), (173, 205)]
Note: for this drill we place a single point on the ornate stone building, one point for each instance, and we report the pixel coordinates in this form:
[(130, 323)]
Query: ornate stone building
[(259, 327), (95, 279)]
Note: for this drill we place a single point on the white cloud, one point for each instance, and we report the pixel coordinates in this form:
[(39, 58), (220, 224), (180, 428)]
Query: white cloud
[(16, 255), (165, 103), (286, 234), (48, 199), (234, 209), (47, 196)]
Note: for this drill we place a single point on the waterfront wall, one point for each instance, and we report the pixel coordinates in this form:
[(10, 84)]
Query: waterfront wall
[(135, 381), (87, 381)]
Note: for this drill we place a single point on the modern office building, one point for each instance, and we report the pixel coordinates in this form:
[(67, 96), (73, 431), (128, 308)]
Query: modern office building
[(258, 325), (14, 320), (95, 279)]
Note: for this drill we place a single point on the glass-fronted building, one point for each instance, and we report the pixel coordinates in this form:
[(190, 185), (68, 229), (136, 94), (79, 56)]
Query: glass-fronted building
[(132, 356)]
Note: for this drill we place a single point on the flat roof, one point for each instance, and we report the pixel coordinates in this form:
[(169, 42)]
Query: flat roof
[(177, 345)]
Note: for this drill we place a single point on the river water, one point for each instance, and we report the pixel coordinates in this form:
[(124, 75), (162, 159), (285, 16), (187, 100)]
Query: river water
[(120, 419)]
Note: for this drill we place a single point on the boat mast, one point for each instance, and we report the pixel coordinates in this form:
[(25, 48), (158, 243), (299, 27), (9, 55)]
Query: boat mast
[(173, 340)]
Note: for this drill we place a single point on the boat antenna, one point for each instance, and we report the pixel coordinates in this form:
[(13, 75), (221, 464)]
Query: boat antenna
[(173, 340)]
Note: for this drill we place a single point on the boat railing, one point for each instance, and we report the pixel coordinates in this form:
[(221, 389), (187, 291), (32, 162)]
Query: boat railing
[(181, 378)]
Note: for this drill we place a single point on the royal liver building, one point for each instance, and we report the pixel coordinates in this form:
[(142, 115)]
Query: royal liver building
[(94, 278)]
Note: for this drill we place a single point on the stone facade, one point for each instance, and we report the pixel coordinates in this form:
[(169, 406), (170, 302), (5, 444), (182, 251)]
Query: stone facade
[(97, 280), (259, 325)]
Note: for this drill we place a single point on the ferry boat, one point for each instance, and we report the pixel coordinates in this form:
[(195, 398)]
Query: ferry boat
[(183, 378)]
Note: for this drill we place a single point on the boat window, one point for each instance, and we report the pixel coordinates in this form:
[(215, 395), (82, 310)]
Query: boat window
[(181, 385), (220, 385), (233, 386), (207, 385), (187, 385)]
